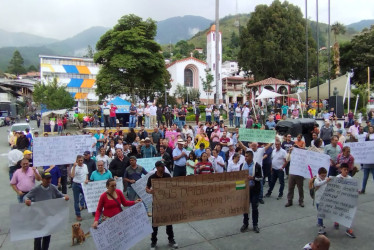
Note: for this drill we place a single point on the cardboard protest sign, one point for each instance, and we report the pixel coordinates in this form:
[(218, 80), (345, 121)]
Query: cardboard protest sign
[(59, 150), (301, 159), (199, 197), (257, 135), (363, 152), (94, 189), (40, 219), (148, 163), (124, 230), (339, 201)]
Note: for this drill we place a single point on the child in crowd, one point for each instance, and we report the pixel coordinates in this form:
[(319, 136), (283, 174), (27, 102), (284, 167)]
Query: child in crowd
[(320, 184)]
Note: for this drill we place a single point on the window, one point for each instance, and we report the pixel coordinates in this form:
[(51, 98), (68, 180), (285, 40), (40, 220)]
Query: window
[(188, 78)]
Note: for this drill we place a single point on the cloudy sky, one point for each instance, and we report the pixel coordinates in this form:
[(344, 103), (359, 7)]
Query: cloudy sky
[(61, 19)]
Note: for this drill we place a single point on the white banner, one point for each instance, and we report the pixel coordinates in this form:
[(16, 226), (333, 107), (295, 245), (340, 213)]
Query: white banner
[(339, 201), (301, 159), (124, 230), (363, 152), (148, 163), (40, 219), (139, 188), (94, 189), (57, 150)]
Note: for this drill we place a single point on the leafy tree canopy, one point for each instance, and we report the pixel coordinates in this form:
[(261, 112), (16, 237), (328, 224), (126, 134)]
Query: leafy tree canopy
[(273, 43), (53, 96), (16, 64), (131, 60), (358, 54)]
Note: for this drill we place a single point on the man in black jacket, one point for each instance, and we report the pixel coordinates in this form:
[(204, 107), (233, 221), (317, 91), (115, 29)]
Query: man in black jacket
[(159, 113), (119, 164), (254, 177), (91, 164)]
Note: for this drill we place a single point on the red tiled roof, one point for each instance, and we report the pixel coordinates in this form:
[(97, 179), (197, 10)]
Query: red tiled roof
[(233, 78), (269, 81), (185, 59)]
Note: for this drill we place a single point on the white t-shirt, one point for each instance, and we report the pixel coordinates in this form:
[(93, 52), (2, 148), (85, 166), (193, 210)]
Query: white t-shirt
[(80, 173), (208, 112), (106, 109), (93, 144), (153, 110), (238, 112), (218, 168), (258, 155), (140, 111), (361, 137), (278, 158), (147, 111), (233, 167), (245, 112), (105, 159)]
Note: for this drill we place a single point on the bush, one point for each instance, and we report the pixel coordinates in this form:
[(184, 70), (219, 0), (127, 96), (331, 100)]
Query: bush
[(80, 117), (202, 108), (190, 109), (190, 118)]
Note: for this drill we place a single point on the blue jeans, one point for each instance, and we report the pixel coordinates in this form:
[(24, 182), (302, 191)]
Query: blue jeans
[(113, 122), (21, 198), (237, 121), (77, 190), (176, 121), (319, 220), (59, 129), (253, 197), (132, 121), (179, 171), (131, 194), (208, 118), (181, 124), (216, 119), (274, 176), (231, 122), (366, 177), (146, 121), (262, 190)]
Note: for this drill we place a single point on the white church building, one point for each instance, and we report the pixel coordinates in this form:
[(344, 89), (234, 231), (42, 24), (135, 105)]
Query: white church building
[(190, 71)]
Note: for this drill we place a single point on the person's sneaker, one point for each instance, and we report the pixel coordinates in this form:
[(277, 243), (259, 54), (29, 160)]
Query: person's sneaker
[(361, 192), (336, 225), (153, 246), (279, 197), (261, 201), (149, 214), (288, 204), (301, 204), (244, 228), (173, 244), (267, 195), (350, 233), (79, 218), (321, 230), (256, 229)]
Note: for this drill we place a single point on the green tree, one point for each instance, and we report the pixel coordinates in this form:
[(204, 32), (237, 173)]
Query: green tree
[(358, 54), (32, 68), (53, 96), (16, 64), (338, 29), (131, 60), (89, 52), (273, 43), (184, 48), (207, 83)]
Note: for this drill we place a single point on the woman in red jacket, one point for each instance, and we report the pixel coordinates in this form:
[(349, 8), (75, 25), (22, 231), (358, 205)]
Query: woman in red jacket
[(204, 166), (111, 202)]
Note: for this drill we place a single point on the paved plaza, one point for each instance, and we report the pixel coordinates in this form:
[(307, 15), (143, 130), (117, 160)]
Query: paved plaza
[(281, 228)]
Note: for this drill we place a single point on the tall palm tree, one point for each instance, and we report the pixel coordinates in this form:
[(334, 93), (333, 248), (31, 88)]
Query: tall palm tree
[(337, 28)]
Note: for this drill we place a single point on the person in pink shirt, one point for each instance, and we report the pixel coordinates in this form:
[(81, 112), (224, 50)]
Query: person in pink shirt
[(112, 115), (23, 179)]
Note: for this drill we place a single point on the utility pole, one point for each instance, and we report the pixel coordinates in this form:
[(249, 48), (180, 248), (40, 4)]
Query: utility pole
[(329, 50), (307, 53), (217, 76), (317, 58)]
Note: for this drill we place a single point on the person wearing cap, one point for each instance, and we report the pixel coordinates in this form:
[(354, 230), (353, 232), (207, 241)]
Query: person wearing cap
[(148, 150), (55, 174), (90, 163), (201, 150), (180, 159), (160, 173), (42, 192), (79, 173), (133, 173), (23, 179), (14, 158)]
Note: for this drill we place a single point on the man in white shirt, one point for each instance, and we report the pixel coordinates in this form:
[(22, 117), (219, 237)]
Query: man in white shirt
[(238, 114), (208, 114), (353, 130), (278, 163), (245, 115), (153, 113), (106, 112)]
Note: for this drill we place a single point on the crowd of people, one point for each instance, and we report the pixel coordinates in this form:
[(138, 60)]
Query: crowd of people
[(204, 148)]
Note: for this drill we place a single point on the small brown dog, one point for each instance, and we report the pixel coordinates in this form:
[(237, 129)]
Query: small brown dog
[(77, 233)]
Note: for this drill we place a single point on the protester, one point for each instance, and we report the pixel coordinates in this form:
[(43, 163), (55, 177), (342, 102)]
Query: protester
[(295, 180), (160, 173), (119, 164), (55, 173), (204, 166), (180, 158), (14, 156), (44, 191), (333, 150), (299, 142), (90, 163), (132, 174), (235, 164), (106, 112), (321, 242), (326, 133), (79, 173), (254, 178), (101, 173), (148, 150), (320, 184), (103, 157), (346, 157), (110, 203), (23, 179)]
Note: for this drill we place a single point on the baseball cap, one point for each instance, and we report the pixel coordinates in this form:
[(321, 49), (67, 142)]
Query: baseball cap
[(27, 152), (87, 153), (180, 141), (46, 175)]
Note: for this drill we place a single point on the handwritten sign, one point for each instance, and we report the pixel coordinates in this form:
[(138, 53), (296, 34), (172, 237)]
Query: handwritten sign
[(124, 230), (139, 187), (148, 163), (59, 150), (301, 159), (199, 197), (43, 218), (339, 201), (257, 135), (169, 134), (94, 189), (363, 152)]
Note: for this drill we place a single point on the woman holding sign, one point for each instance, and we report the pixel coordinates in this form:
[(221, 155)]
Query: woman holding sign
[(110, 203)]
